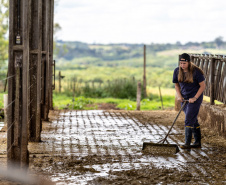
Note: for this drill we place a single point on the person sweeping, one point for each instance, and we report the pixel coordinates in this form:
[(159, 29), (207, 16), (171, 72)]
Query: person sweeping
[(189, 85)]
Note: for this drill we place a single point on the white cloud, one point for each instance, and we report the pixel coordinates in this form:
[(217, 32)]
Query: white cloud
[(142, 21)]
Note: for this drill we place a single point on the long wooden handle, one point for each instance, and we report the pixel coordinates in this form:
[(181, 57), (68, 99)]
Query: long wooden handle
[(174, 121)]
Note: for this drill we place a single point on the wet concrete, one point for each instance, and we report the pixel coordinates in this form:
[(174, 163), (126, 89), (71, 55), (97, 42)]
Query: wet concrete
[(104, 147), (100, 146)]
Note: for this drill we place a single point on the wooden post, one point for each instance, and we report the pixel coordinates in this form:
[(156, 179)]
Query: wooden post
[(212, 69), (46, 21), (29, 30), (18, 71), (138, 94), (25, 78), (73, 100), (144, 75), (59, 81), (160, 94), (51, 62)]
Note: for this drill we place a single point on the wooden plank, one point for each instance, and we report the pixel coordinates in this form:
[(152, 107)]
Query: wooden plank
[(39, 74), (43, 77), (198, 60), (206, 71), (217, 75), (212, 69), (26, 6), (208, 79), (11, 90), (51, 54), (201, 62), (47, 85), (222, 77), (224, 85), (17, 105)]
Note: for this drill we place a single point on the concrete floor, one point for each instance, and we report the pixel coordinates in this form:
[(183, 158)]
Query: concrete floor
[(101, 147)]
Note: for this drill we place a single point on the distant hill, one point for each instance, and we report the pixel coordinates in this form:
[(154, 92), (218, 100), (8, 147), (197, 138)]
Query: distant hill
[(110, 52), (79, 55), (89, 62)]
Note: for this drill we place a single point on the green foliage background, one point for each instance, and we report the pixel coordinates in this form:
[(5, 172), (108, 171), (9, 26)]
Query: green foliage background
[(4, 14), (100, 64)]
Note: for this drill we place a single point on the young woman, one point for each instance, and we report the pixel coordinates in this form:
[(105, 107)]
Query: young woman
[(189, 84)]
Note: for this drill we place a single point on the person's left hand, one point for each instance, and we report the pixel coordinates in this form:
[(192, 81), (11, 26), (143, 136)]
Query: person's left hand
[(192, 100)]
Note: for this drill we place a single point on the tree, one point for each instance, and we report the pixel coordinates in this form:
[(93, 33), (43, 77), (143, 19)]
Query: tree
[(4, 14), (219, 41)]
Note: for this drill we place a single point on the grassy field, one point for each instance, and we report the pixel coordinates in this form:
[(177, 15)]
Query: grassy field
[(159, 72), (159, 69), (153, 102)]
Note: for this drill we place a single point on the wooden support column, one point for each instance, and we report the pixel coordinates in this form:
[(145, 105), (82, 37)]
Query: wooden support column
[(29, 75), (34, 125), (39, 74), (18, 67), (51, 54), (45, 58)]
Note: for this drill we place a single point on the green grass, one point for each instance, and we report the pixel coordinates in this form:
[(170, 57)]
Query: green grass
[(153, 102), (1, 101)]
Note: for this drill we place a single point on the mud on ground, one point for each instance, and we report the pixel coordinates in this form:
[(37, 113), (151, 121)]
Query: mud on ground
[(104, 147)]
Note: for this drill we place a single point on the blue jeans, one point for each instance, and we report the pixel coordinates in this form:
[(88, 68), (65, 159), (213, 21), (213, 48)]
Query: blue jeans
[(191, 111), (192, 126)]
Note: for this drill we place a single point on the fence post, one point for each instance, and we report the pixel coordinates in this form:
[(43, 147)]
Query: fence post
[(160, 94), (138, 94), (144, 75), (212, 69), (59, 81)]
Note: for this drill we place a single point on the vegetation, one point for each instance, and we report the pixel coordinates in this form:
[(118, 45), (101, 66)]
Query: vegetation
[(1, 101), (62, 101), (102, 72), (4, 14)]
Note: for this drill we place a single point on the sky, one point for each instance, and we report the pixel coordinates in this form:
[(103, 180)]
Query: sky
[(140, 21)]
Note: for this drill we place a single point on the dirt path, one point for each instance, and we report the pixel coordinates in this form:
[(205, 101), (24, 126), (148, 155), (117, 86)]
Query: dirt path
[(104, 147)]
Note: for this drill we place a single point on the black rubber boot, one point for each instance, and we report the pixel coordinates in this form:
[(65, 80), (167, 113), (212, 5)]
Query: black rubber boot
[(188, 137), (197, 136)]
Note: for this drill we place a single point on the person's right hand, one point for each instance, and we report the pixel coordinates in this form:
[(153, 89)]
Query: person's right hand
[(181, 99)]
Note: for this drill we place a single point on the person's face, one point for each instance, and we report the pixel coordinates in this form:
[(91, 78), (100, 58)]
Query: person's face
[(184, 65)]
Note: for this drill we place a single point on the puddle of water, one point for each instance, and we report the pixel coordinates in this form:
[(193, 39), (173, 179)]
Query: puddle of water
[(85, 133)]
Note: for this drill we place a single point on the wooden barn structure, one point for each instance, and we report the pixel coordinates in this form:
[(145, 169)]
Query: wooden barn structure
[(30, 72)]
